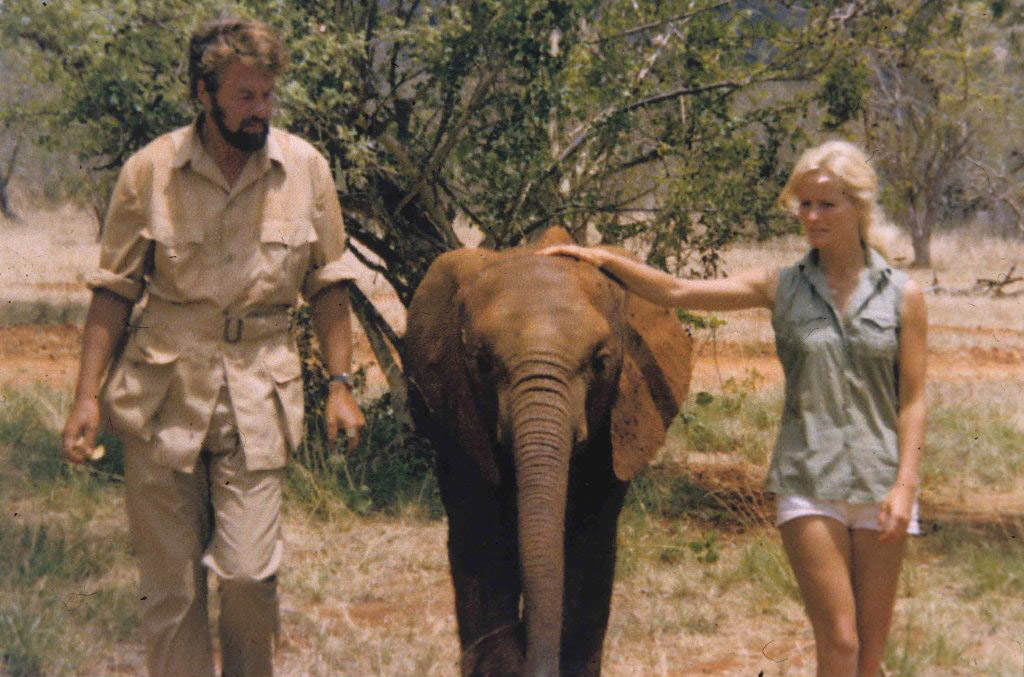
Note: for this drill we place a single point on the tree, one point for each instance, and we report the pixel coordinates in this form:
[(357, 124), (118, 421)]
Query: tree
[(931, 94), (649, 120)]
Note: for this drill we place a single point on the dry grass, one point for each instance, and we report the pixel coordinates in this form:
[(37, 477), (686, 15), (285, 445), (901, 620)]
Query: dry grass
[(371, 596)]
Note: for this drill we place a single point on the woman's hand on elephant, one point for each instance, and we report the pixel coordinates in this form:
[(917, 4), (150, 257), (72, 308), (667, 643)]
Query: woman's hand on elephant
[(592, 255)]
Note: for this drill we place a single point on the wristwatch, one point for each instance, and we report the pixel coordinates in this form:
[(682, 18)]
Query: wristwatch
[(343, 377)]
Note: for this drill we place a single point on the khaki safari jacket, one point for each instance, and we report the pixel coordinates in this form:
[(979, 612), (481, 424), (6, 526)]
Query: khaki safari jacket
[(213, 270)]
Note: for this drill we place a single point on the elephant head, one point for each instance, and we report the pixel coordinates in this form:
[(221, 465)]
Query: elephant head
[(525, 362)]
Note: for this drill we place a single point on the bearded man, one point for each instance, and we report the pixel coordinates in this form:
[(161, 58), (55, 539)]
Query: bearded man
[(214, 232)]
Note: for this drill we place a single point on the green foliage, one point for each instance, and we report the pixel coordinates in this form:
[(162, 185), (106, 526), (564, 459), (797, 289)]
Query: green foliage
[(737, 420), (390, 472), (33, 642), (392, 469), (630, 117), (845, 85), (670, 495)]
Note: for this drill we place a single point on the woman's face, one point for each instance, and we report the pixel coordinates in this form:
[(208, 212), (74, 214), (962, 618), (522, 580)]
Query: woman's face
[(828, 214)]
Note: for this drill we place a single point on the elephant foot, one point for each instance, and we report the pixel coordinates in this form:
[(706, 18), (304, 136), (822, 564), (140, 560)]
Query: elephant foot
[(498, 653)]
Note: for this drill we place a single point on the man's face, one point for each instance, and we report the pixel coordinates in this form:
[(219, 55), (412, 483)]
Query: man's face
[(242, 106)]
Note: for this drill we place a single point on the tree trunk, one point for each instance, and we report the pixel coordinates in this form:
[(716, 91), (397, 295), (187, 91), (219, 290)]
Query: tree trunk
[(5, 180), (542, 446), (921, 238), (920, 218)]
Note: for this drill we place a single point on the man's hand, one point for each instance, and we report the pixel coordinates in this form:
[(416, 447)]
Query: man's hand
[(343, 412), (80, 429)]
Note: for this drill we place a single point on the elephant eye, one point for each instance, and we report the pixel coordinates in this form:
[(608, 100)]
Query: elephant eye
[(484, 361), (601, 360)]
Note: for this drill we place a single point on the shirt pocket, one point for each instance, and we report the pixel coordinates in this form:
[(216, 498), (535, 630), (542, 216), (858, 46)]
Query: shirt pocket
[(877, 334), (285, 369), (810, 333), (285, 251), (139, 384), (177, 254)]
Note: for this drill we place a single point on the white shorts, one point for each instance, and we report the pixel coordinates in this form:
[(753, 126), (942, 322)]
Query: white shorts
[(853, 515)]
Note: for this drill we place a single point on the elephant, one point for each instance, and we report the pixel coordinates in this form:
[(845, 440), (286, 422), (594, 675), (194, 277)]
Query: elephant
[(544, 387)]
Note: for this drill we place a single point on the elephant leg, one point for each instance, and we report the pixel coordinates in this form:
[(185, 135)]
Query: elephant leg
[(595, 500), (483, 555)]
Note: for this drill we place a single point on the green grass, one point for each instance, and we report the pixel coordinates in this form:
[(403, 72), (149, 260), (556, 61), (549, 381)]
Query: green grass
[(985, 564), (763, 564), (54, 599), (740, 419), (917, 645), (30, 423), (971, 446), (30, 553), (700, 564)]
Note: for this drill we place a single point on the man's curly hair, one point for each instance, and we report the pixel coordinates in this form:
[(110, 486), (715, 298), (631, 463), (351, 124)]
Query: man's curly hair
[(217, 44)]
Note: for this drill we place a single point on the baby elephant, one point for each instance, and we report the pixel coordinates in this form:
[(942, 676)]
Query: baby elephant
[(544, 388)]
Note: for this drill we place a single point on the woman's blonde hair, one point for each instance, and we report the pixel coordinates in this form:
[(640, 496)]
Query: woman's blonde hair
[(849, 164), (221, 42)]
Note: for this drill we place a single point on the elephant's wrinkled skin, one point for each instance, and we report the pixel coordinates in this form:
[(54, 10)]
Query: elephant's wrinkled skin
[(544, 388)]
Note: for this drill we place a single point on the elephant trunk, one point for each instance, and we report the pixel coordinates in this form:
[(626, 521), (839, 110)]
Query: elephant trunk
[(542, 444)]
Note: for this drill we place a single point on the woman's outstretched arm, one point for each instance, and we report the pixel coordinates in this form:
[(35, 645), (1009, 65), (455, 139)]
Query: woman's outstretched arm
[(750, 289)]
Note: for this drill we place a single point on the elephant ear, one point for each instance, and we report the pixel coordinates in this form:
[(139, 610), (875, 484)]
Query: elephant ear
[(654, 382), (433, 350)]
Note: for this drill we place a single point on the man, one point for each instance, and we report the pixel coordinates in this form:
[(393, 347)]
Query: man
[(214, 231)]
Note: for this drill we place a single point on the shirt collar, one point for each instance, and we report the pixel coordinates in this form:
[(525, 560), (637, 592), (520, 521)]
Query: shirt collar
[(878, 273), (191, 150), (878, 267), (876, 264)]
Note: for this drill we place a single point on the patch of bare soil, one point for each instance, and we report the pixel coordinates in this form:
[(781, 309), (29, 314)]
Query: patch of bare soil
[(958, 353), (43, 354)]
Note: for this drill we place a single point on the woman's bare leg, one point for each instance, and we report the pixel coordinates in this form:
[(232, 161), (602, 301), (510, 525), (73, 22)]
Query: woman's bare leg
[(876, 577), (819, 552)]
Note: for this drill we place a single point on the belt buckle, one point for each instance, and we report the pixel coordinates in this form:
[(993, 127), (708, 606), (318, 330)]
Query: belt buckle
[(232, 329)]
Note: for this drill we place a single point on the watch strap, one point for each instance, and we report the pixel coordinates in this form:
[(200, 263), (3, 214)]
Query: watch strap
[(343, 377)]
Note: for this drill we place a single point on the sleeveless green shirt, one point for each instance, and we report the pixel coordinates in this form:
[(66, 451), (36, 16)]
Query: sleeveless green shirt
[(838, 435)]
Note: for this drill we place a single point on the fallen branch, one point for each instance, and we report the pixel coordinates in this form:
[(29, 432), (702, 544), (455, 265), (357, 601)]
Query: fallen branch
[(982, 286)]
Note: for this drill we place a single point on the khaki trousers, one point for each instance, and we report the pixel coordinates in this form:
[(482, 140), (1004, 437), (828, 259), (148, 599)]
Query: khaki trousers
[(220, 517)]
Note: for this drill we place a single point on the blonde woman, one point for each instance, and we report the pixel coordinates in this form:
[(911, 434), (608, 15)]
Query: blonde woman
[(850, 332)]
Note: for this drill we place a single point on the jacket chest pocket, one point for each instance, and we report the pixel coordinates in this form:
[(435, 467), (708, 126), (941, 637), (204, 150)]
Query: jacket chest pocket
[(178, 249), (285, 249)]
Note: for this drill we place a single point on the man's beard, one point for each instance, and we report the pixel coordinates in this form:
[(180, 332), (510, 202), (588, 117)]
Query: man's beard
[(248, 142)]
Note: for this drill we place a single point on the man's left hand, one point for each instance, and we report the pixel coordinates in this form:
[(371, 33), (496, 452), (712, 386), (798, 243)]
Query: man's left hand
[(342, 412)]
